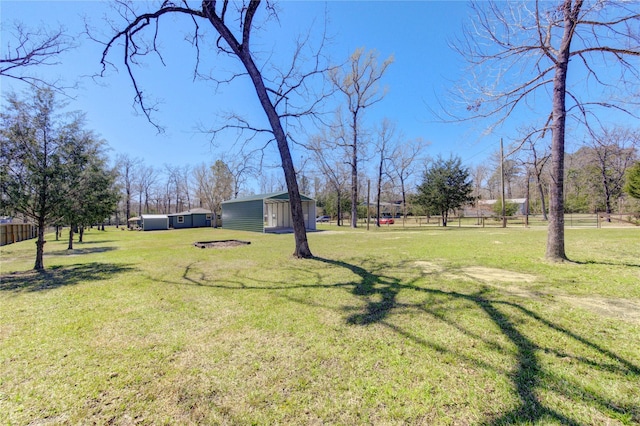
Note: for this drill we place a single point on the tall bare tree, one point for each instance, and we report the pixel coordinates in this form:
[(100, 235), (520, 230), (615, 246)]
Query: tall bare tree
[(359, 82), (613, 152), (234, 24), (331, 165), (147, 177), (214, 185), (535, 164), (386, 134), (524, 51), (127, 170), (404, 162), (242, 167)]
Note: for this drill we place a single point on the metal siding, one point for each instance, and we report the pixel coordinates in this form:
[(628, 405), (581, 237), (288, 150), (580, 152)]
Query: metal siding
[(199, 220), (243, 216), (155, 223), (310, 213)]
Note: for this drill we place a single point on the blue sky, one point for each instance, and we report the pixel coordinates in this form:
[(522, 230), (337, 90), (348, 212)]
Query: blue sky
[(415, 32)]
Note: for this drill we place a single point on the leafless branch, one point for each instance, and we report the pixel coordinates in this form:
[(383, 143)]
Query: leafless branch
[(29, 50)]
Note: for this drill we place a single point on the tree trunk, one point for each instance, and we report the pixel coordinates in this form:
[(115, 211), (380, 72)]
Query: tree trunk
[(607, 193), (543, 203), (555, 237), (339, 196), (40, 242), (379, 187), (302, 249), (80, 234), (70, 247), (354, 174)]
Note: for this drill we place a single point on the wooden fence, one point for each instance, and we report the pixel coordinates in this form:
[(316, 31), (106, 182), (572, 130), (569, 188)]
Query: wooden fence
[(13, 232)]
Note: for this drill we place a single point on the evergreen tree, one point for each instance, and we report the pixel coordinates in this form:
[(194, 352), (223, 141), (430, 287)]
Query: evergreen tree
[(446, 186), (632, 184), (31, 171)]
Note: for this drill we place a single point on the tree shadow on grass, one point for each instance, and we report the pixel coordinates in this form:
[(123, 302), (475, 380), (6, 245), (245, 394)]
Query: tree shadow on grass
[(600, 262), (59, 276), (528, 372), (376, 284)]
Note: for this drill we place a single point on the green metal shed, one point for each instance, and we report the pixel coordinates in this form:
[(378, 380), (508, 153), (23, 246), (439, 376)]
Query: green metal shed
[(266, 213)]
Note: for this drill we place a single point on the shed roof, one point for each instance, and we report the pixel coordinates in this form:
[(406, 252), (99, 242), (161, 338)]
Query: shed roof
[(197, 210), (272, 196), (154, 216)]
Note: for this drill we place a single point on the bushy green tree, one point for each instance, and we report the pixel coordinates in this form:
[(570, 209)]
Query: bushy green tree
[(49, 171), (31, 171), (446, 186), (90, 193), (510, 208), (632, 183)]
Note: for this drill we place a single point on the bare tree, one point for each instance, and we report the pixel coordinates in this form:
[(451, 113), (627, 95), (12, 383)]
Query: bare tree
[(479, 175), (214, 185), (185, 184), (535, 164), (127, 170), (405, 160), (359, 82), (234, 23), (386, 133), (331, 167), (27, 50), (147, 177), (523, 51), (174, 181), (242, 167), (613, 152)]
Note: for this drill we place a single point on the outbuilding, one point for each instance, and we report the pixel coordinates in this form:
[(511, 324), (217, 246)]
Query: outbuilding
[(194, 218), (266, 213), (154, 222)]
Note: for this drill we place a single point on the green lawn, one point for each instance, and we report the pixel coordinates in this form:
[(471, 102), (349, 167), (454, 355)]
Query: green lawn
[(414, 325)]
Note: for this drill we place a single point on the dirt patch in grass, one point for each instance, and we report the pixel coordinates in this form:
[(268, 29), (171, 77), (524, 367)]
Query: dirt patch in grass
[(479, 273), (497, 275), (623, 309), (508, 282), (221, 244), (429, 267)]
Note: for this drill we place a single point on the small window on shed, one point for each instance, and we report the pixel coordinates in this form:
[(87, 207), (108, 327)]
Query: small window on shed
[(180, 219), (208, 217)]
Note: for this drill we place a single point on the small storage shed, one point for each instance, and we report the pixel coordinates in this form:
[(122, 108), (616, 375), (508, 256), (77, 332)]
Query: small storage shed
[(266, 213), (154, 222), (194, 218)]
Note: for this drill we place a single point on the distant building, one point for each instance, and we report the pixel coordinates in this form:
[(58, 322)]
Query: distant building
[(194, 218), (154, 222), (266, 213), (485, 207)]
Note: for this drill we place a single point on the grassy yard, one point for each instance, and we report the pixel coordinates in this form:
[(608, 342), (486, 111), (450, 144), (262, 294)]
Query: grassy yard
[(415, 325)]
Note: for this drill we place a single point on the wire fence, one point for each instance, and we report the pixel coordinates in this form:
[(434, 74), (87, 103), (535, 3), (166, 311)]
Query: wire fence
[(571, 220)]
